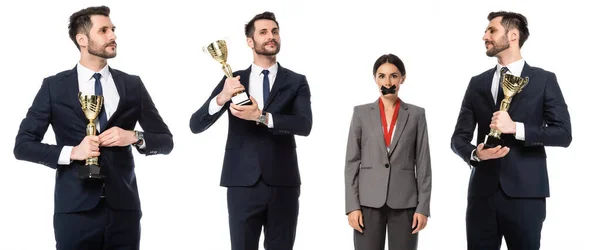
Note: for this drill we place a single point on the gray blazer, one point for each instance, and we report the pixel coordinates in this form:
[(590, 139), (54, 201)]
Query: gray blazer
[(400, 178)]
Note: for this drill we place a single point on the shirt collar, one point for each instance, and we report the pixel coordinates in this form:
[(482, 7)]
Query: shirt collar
[(515, 68), (257, 70), (86, 74)]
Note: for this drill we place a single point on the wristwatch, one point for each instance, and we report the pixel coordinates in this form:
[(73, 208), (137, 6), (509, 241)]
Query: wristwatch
[(262, 118), (140, 138)]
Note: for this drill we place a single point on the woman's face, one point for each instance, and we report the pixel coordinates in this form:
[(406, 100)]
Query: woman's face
[(388, 76)]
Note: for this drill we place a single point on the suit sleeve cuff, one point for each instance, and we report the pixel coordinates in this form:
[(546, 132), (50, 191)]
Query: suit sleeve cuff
[(213, 107), (65, 155), (520, 131)]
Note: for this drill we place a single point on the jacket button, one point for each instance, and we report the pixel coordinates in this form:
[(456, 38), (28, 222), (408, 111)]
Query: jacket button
[(387, 165)]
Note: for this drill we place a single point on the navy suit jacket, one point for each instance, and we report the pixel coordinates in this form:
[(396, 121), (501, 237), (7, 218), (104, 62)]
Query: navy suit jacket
[(57, 104), (543, 111), (254, 150)]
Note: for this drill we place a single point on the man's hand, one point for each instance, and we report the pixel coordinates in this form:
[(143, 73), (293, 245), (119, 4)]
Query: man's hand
[(491, 153), (246, 112), (86, 149), (419, 222), (502, 122), (355, 219), (117, 137), (231, 87)]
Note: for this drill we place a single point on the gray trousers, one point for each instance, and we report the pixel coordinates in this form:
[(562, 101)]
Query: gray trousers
[(398, 223)]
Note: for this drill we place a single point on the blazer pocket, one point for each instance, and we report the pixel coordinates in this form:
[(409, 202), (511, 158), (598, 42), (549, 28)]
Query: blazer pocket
[(366, 167), (407, 166)]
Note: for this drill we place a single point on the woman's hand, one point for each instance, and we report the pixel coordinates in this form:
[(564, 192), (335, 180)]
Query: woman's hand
[(419, 221), (355, 219)]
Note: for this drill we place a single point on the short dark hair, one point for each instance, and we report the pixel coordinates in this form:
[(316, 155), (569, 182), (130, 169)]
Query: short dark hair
[(389, 58), (250, 28), (80, 21), (511, 20)]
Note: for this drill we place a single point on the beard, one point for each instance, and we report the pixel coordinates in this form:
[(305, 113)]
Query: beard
[(262, 49), (502, 45), (100, 50)]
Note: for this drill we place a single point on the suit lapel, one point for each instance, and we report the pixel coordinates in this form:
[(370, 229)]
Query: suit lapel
[(525, 73), (245, 79), (282, 74), (72, 83), (376, 121), (120, 84), (489, 77), (400, 124)]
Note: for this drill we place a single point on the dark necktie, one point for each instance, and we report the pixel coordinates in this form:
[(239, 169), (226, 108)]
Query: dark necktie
[(500, 94), (98, 91), (266, 87)]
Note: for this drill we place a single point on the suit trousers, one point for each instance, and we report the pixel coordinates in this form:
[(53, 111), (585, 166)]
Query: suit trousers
[(101, 228), (519, 220), (399, 227), (251, 208)]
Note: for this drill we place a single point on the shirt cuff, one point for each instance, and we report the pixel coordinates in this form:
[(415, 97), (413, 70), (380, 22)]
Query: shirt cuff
[(65, 155), (143, 145), (270, 120), (213, 107), (473, 154), (520, 131)]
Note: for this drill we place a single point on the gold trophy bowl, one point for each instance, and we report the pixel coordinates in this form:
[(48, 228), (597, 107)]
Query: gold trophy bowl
[(218, 51), (511, 85), (91, 106)]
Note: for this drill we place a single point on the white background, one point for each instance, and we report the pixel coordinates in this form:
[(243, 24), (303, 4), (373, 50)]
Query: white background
[(335, 46)]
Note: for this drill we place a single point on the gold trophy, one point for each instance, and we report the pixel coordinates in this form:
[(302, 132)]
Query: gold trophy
[(91, 106), (218, 51), (511, 85)]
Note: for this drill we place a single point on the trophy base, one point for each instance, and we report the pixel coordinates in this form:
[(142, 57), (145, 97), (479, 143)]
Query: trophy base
[(241, 99), (492, 142), (87, 172)]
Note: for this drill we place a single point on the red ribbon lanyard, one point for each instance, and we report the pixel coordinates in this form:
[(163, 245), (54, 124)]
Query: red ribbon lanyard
[(387, 134)]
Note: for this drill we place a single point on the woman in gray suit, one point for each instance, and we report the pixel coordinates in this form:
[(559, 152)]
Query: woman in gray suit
[(388, 168)]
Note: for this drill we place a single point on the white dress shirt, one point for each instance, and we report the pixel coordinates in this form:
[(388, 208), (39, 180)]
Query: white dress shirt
[(87, 82), (255, 89), (514, 68)]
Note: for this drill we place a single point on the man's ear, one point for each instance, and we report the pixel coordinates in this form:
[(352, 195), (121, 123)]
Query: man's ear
[(82, 40), (513, 35), (250, 42)]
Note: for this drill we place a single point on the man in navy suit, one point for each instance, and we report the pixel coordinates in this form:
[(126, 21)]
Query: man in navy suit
[(260, 169), (93, 213), (509, 183)]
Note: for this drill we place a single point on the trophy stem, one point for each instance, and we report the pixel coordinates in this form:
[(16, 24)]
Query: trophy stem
[(505, 104), (227, 70), (91, 128), (494, 133)]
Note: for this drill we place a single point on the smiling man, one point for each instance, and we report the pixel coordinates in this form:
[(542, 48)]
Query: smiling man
[(102, 210), (509, 183), (260, 169)]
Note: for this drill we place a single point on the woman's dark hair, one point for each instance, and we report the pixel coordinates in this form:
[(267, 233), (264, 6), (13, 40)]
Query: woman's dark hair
[(389, 58)]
